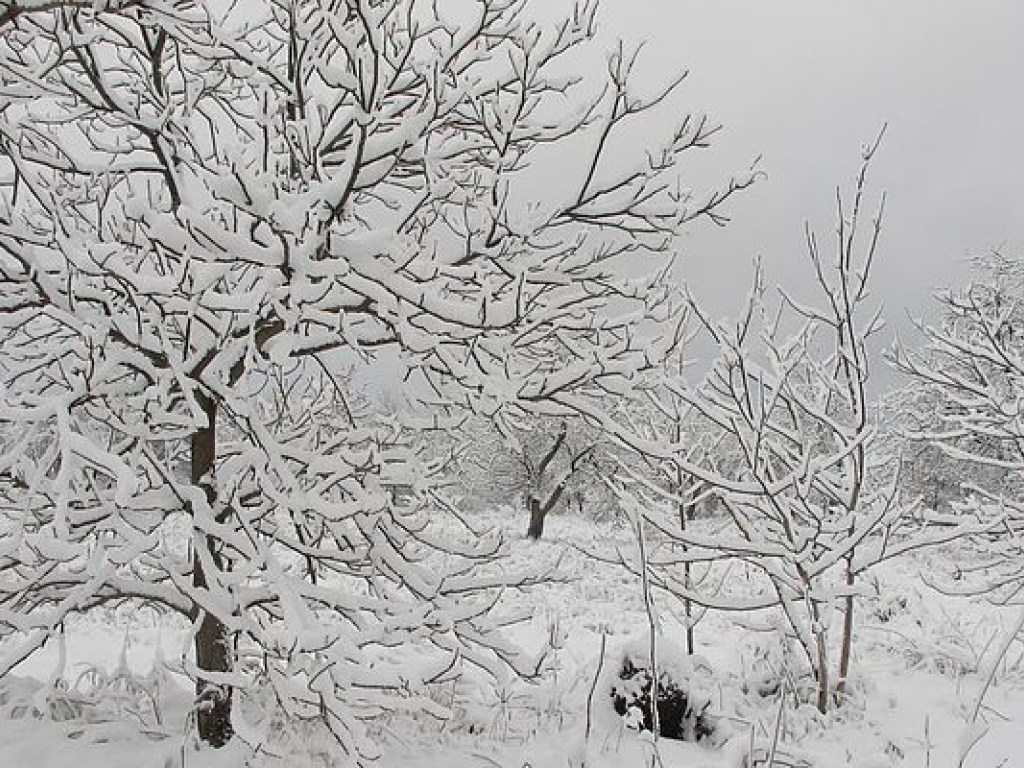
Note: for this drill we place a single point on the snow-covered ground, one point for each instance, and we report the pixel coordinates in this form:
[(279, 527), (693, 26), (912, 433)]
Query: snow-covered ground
[(922, 662)]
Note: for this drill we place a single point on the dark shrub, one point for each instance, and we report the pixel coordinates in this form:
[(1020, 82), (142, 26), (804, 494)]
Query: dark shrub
[(680, 715)]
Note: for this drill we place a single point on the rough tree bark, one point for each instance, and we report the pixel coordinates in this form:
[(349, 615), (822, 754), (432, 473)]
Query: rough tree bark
[(212, 643)]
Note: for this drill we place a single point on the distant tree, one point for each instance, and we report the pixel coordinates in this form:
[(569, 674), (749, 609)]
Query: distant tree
[(540, 462), (206, 212), (550, 459)]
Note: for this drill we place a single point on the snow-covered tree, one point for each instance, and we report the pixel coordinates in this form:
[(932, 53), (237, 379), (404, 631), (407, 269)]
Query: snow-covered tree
[(908, 416), (790, 389), (551, 456), (540, 463), (206, 212), (805, 506), (973, 359)]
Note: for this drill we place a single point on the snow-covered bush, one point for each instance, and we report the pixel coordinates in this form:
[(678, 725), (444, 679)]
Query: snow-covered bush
[(95, 695)]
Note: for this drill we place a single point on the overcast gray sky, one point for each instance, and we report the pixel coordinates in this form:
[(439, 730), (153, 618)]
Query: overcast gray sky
[(805, 83)]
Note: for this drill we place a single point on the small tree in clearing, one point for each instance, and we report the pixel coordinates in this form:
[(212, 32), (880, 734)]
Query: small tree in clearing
[(800, 506), (206, 213), (788, 391), (534, 461)]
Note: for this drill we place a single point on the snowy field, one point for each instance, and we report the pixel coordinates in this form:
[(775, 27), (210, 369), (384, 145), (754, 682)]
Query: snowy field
[(923, 662)]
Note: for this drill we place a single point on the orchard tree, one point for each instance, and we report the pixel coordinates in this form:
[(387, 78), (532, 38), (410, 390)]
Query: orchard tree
[(540, 463), (794, 400), (207, 211), (552, 455)]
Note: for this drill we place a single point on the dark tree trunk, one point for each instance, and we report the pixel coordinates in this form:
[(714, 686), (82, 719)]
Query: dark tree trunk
[(539, 512), (537, 515), (213, 653), (213, 647), (687, 582), (686, 513)]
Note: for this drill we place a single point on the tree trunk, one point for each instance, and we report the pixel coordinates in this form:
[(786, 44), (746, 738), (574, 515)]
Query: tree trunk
[(539, 512), (213, 648), (537, 515), (213, 653), (685, 513), (687, 577)]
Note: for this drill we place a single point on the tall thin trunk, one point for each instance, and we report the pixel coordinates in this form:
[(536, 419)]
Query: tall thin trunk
[(213, 649), (652, 626), (846, 645), (821, 641), (684, 513), (846, 649), (688, 609)]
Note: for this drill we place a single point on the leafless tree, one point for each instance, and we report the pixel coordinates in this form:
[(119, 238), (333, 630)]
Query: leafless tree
[(550, 461), (806, 506), (541, 463), (203, 208)]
